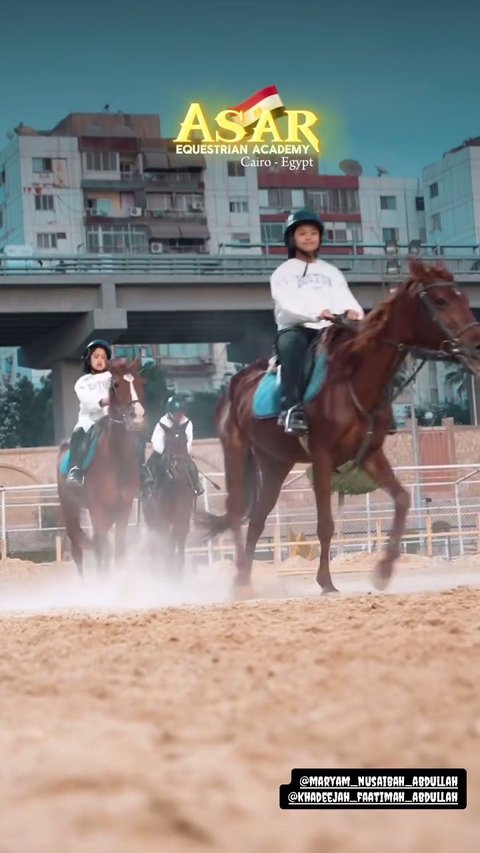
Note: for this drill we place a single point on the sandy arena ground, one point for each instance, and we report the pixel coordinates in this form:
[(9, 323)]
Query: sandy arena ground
[(172, 728)]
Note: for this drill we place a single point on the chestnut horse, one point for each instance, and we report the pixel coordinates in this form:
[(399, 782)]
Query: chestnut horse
[(348, 419), (112, 480), (168, 509)]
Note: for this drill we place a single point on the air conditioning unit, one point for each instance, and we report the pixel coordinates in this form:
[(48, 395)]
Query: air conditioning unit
[(156, 248), (92, 211), (136, 211), (197, 205)]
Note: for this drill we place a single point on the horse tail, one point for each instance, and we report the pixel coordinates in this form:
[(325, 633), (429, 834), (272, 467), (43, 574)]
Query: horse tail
[(241, 472)]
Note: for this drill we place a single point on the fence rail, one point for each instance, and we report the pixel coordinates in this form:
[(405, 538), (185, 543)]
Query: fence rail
[(252, 262), (448, 526)]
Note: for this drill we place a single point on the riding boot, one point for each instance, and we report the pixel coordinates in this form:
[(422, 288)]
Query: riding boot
[(146, 480), (292, 346), (75, 474), (194, 475)]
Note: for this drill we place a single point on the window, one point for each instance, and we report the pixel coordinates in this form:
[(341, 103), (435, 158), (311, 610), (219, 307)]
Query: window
[(343, 232), (388, 202), (158, 202), (241, 238), (42, 164), (44, 202), (100, 206), (235, 169), (239, 206), (46, 241), (102, 161), (389, 234), (190, 202), (436, 222), (272, 232), (280, 199), (1, 218), (318, 200), (2, 177), (433, 190), (117, 239), (419, 202), (422, 235)]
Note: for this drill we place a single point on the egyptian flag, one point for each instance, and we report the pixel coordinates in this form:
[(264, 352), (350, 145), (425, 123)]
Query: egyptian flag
[(252, 108)]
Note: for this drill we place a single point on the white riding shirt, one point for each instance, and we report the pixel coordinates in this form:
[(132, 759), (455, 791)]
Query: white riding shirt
[(158, 437), (90, 389), (302, 291)]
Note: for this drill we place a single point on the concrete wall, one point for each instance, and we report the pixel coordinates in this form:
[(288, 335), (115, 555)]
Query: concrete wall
[(455, 200), (405, 218), (220, 189)]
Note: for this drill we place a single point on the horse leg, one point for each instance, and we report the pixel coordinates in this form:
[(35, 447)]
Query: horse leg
[(379, 468), (75, 534), (101, 525), (121, 526), (322, 475), (274, 473)]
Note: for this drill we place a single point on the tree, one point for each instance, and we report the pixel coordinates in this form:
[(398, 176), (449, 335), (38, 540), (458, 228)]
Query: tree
[(156, 391), (457, 377)]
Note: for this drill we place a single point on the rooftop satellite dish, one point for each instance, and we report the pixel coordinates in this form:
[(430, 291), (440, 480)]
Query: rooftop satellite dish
[(351, 167), (381, 171)]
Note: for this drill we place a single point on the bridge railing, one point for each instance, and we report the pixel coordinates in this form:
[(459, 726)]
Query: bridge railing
[(237, 265)]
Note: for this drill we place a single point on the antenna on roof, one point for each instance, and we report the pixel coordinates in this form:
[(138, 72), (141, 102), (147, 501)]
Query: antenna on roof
[(381, 171)]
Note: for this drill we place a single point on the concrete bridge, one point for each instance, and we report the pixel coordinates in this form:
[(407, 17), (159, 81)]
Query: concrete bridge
[(53, 310)]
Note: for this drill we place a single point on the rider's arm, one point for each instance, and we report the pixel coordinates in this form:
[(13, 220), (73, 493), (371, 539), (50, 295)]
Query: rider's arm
[(189, 434), (295, 305), (158, 439), (89, 395), (343, 297)]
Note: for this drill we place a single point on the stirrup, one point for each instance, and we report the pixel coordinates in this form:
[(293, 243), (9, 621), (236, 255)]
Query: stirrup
[(294, 421), (75, 476)]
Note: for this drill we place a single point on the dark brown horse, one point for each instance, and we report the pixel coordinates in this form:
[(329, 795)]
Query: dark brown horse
[(348, 420), (168, 509), (113, 479)]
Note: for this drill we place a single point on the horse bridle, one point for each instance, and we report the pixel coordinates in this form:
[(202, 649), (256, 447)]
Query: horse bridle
[(451, 346), (133, 402)]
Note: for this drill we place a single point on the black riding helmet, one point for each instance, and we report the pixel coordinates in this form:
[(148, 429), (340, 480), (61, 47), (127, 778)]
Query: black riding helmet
[(300, 217), (176, 405), (93, 345)]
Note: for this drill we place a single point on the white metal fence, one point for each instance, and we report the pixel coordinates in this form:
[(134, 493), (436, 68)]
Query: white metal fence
[(444, 520)]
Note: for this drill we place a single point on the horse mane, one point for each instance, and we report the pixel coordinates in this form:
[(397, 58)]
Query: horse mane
[(348, 353)]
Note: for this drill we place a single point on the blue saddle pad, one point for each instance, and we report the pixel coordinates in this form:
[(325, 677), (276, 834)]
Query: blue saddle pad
[(65, 463), (267, 399)]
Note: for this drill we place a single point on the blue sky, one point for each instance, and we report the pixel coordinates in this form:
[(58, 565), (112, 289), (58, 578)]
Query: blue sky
[(398, 84)]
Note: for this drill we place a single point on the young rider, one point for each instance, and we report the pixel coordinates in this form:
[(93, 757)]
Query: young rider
[(307, 292), (92, 390), (175, 415)]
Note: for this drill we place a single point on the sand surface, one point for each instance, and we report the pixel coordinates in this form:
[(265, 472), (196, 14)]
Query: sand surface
[(172, 728)]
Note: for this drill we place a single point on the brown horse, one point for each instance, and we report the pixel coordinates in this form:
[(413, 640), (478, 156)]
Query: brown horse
[(348, 419), (168, 509), (112, 480)]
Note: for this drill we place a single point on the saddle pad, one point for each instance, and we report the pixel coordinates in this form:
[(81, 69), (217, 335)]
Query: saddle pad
[(65, 462), (267, 399)]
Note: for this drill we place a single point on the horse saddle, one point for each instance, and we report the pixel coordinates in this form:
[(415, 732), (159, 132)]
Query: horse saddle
[(267, 401), (86, 451)]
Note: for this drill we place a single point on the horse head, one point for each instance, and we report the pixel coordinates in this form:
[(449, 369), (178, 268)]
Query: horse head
[(176, 450), (436, 317), (126, 393)]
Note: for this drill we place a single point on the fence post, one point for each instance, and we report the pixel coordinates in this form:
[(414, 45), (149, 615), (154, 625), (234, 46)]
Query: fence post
[(478, 532), (4, 523), (58, 549), (206, 504), (459, 521), (378, 534), (428, 525)]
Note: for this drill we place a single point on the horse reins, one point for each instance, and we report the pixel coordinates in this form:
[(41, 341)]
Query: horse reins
[(451, 348)]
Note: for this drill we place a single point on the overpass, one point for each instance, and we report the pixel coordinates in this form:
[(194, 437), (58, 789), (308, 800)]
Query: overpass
[(52, 310)]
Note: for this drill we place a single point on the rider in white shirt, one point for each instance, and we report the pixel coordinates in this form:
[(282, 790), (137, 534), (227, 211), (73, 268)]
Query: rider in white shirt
[(92, 390), (307, 292), (175, 415)]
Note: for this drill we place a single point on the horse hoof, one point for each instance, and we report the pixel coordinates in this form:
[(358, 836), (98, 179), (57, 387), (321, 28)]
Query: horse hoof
[(330, 590), (382, 574)]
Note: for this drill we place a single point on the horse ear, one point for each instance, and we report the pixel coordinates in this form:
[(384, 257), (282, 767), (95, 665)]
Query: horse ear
[(136, 364)]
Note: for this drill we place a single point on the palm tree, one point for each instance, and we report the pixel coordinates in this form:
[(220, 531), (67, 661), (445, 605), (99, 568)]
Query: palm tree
[(457, 377)]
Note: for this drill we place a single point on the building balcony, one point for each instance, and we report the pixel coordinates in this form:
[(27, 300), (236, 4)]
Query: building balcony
[(127, 182), (186, 366), (144, 216)]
